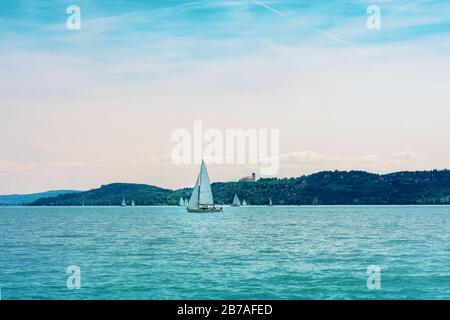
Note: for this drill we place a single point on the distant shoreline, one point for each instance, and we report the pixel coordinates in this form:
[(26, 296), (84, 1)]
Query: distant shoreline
[(236, 208), (322, 188)]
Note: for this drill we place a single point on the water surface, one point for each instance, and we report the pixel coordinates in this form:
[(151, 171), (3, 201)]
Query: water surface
[(317, 252)]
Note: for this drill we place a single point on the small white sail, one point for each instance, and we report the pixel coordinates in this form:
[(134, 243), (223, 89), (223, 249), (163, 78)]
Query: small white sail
[(244, 203), (181, 203), (124, 203), (186, 202), (270, 202), (132, 203), (236, 201)]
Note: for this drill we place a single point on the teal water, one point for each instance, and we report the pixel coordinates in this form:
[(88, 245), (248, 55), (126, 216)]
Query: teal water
[(316, 252)]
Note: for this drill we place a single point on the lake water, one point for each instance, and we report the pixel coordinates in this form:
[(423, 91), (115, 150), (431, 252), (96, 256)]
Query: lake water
[(317, 252)]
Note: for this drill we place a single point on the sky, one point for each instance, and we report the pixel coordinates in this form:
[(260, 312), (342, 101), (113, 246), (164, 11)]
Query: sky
[(82, 108)]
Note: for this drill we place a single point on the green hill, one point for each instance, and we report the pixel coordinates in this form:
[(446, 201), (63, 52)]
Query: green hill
[(326, 188), (110, 195)]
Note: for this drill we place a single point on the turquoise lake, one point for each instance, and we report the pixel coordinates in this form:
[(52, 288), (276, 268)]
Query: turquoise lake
[(316, 252)]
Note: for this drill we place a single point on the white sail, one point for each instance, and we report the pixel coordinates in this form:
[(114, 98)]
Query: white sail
[(270, 202), (202, 198), (124, 203), (186, 202), (244, 203), (193, 201), (236, 201), (205, 195), (132, 203), (181, 203)]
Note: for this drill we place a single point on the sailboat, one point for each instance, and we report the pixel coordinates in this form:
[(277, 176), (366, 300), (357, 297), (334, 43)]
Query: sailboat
[(186, 202), (236, 201), (202, 197), (124, 203), (270, 202), (181, 203), (132, 203), (244, 203)]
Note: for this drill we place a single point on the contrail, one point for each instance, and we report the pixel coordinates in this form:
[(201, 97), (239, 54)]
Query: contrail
[(281, 14), (185, 4), (326, 34)]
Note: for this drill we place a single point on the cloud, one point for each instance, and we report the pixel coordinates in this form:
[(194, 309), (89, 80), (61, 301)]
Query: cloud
[(7, 166), (103, 161), (407, 155), (310, 157), (146, 161), (304, 157), (152, 160), (73, 164), (372, 158), (68, 164), (312, 161)]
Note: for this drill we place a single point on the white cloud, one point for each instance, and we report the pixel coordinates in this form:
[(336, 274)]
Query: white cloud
[(152, 160), (103, 161), (146, 161), (304, 157), (310, 157), (72, 164), (369, 158), (68, 164), (407, 155), (11, 166)]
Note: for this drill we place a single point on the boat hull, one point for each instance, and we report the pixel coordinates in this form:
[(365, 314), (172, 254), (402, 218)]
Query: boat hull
[(205, 210)]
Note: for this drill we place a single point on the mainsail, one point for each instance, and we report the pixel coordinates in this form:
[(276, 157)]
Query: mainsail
[(193, 201), (202, 198), (236, 201), (181, 203), (205, 196)]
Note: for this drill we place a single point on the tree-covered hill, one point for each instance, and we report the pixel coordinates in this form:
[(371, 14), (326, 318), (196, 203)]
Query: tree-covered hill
[(110, 195), (327, 188)]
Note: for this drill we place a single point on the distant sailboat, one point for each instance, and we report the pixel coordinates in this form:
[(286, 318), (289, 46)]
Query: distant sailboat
[(244, 203), (181, 203), (270, 202), (236, 201), (202, 197), (124, 203), (186, 202), (132, 203)]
